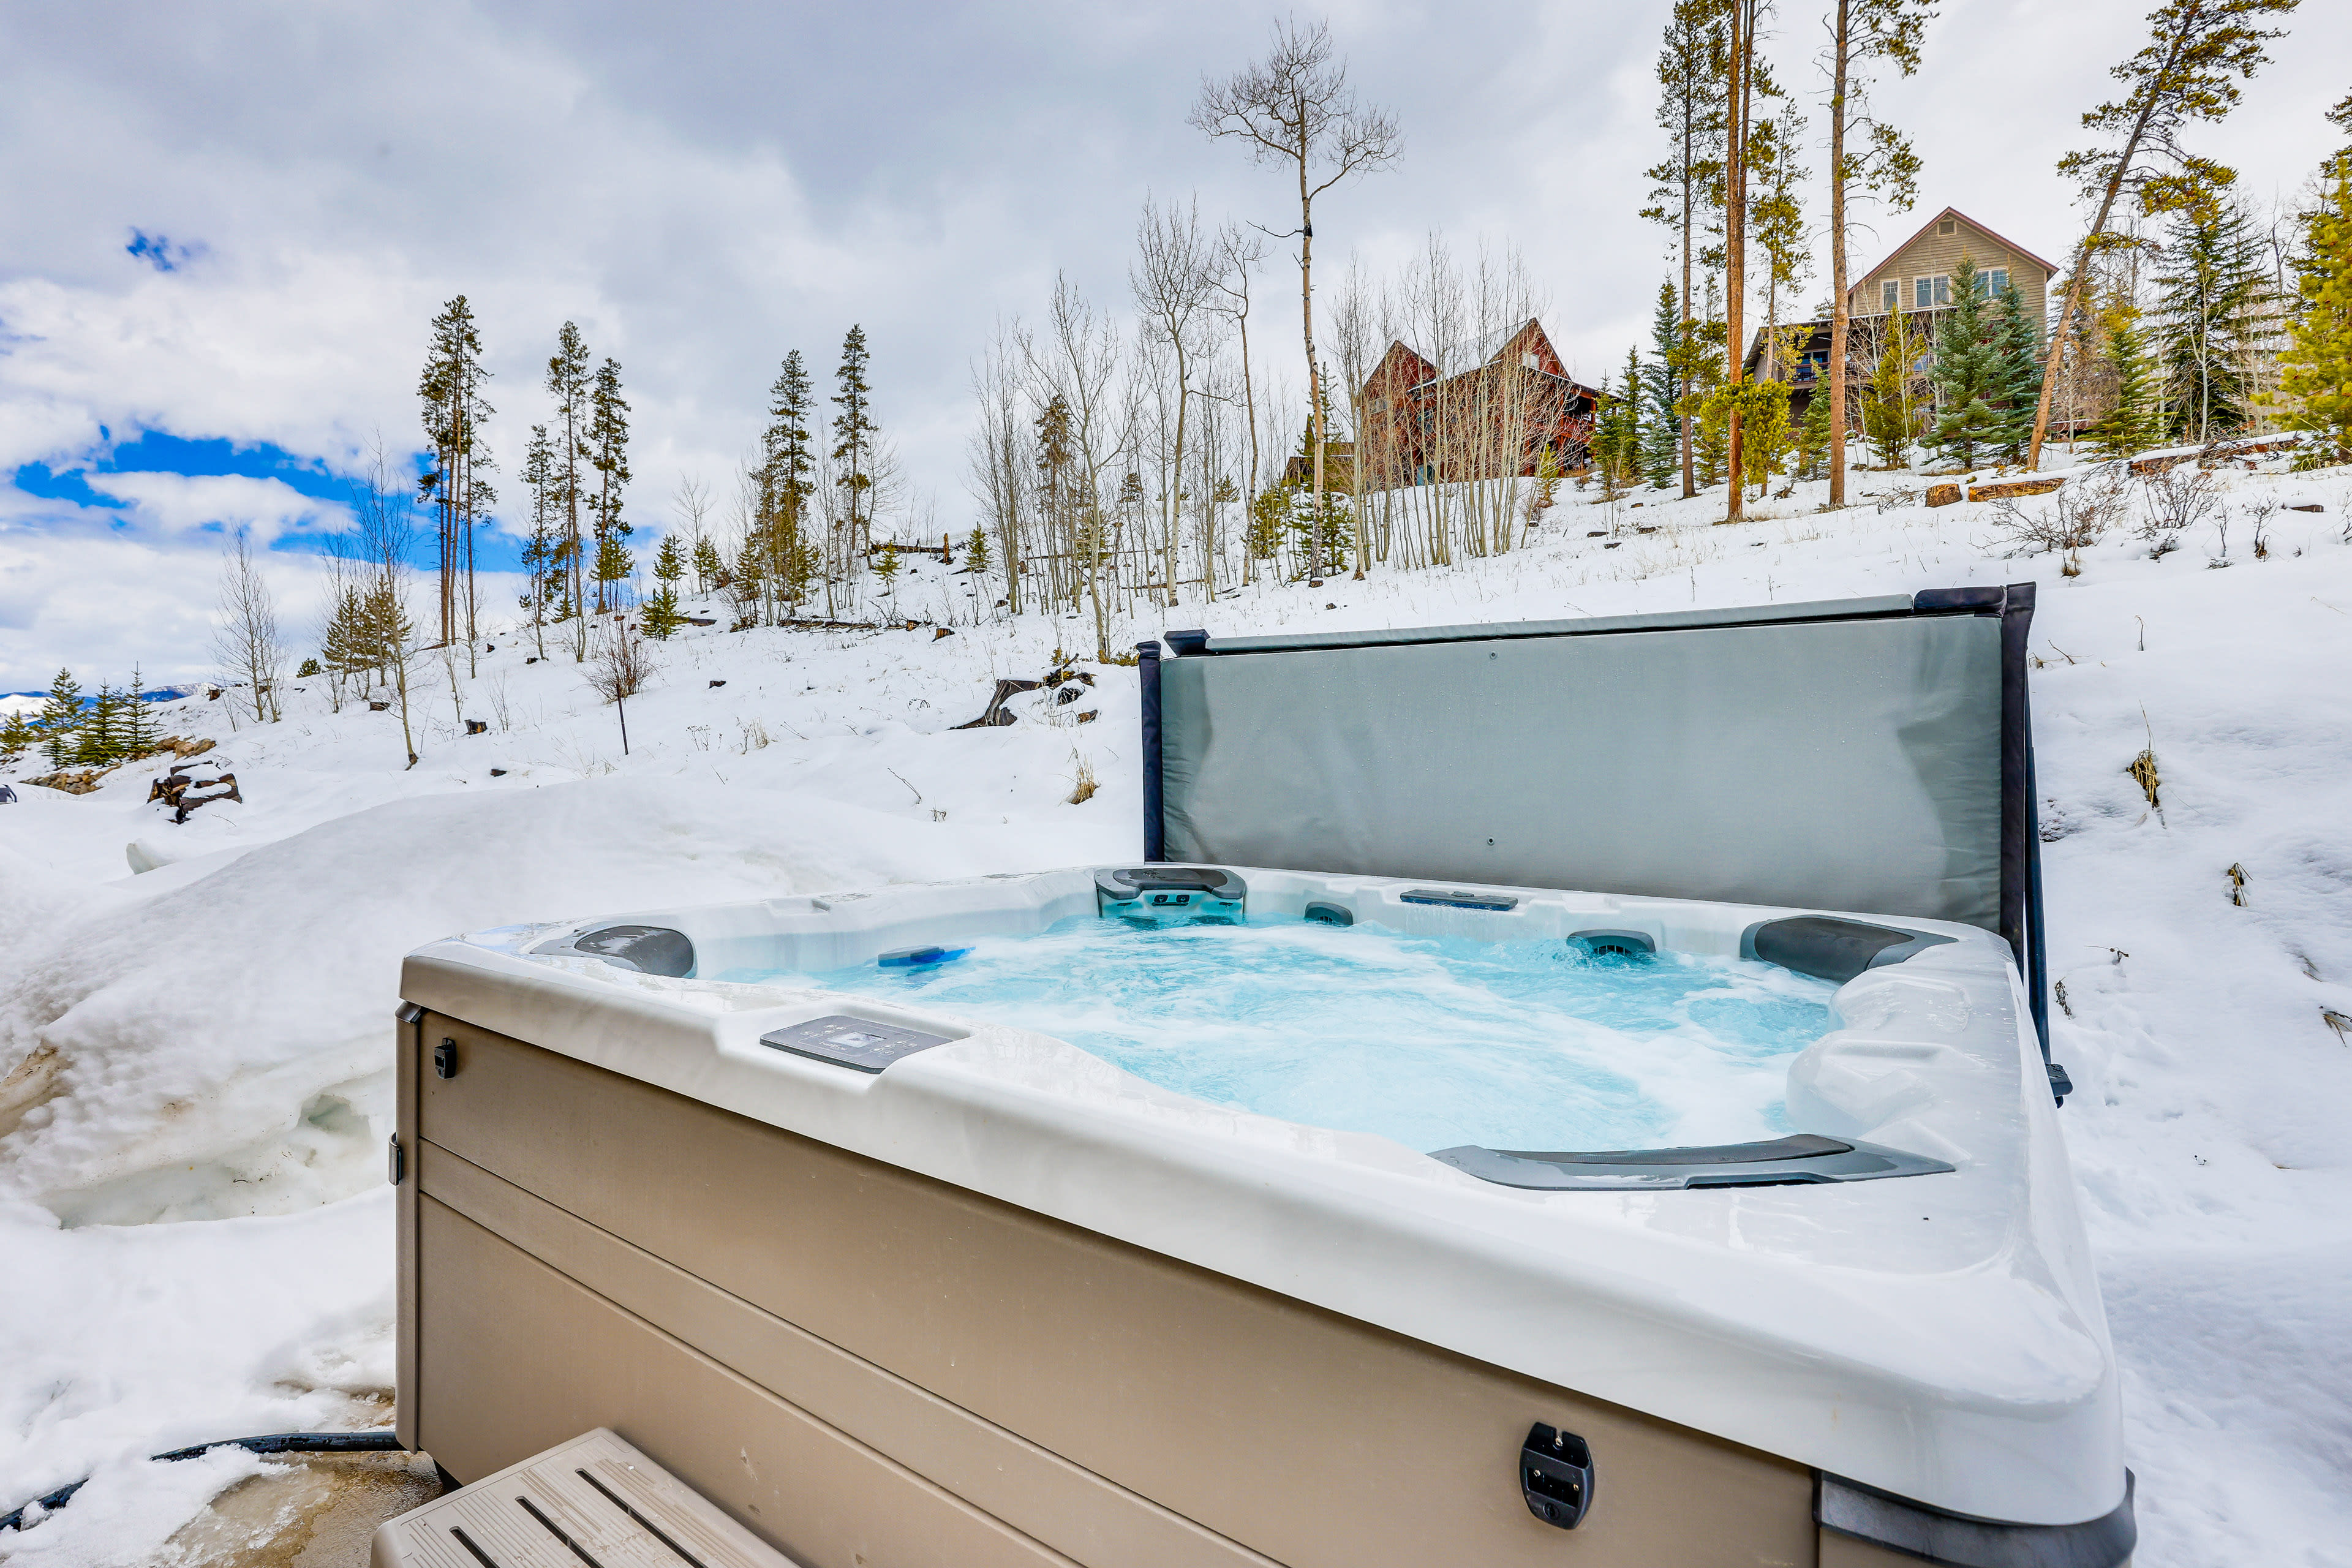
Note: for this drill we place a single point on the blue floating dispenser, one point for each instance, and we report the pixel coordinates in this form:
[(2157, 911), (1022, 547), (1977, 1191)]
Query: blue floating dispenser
[(1171, 895)]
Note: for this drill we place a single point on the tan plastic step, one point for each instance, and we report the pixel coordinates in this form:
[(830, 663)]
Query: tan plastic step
[(594, 1502)]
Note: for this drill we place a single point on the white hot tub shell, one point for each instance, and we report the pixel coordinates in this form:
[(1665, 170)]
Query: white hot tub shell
[(1289, 1343)]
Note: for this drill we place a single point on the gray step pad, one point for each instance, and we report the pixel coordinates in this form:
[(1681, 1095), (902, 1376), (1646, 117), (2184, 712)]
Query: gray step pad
[(594, 1502)]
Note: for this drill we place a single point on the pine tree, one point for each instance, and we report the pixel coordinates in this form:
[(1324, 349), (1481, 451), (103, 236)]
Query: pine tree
[(1814, 436), (1661, 385), (2212, 297), (1967, 375), (1616, 444), (2316, 382), (1687, 193), (139, 716), (454, 412), (2017, 377), (2136, 422), (542, 573), (662, 614), (853, 439), (568, 382), (709, 566), (16, 737), (975, 552), (615, 564), (98, 743), (60, 717), (608, 435)]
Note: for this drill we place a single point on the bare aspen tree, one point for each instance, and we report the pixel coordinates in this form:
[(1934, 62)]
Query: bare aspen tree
[(246, 641), (996, 474), (376, 553), (1862, 31), (1077, 360), (1296, 108), (1172, 278), (1238, 256), (2186, 71)]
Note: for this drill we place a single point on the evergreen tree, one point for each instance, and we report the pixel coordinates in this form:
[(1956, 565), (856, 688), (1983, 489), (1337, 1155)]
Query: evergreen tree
[(16, 737), (608, 435), (568, 382), (60, 717), (2316, 383), (542, 572), (885, 565), (139, 716), (709, 566), (2213, 299), (2137, 420), (614, 563), (975, 552), (454, 412), (98, 743), (1967, 375), (1686, 196), (1814, 436), (1661, 385), (853, 438), (1616, 444), (2017, 346)]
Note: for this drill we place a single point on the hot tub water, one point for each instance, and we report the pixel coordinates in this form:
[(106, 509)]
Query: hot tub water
[(1430, 1041)]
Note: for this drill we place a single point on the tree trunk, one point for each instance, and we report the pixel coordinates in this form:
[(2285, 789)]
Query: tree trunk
[(2083, 260), (1681, 380), (1735, 238), (1840, 309)]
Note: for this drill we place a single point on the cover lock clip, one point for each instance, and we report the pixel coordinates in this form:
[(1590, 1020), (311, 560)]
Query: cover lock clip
[(1556, 1476)]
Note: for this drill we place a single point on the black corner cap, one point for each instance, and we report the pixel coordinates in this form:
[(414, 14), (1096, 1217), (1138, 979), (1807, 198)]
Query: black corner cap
[(1188, 642), (1960, 1540), (1929, 599), (1147, 650)]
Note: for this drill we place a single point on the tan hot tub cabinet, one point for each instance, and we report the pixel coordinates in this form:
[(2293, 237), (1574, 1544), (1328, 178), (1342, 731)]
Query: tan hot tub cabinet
[(998, 1303)]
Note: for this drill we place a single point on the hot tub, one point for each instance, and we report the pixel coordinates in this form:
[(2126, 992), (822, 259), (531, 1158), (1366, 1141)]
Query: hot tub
[(891, 1279)]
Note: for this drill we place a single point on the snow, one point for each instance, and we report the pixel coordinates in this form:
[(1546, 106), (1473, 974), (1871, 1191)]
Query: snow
[(196, 1058)]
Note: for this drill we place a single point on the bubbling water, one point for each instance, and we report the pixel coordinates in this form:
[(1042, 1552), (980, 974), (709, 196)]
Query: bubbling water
[(1430, 1041)]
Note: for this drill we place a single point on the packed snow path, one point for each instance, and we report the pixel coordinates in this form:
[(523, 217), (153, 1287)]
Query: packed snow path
[(196, 1058)]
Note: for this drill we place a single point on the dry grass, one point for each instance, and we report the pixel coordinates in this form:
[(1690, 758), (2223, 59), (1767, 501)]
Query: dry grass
[(1082, 782)]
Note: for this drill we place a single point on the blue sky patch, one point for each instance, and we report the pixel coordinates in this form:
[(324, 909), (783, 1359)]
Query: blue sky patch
[(159, 252)]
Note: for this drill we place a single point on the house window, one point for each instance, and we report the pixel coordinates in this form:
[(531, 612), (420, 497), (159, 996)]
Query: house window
[(1890, 295), (1528, 359), (1931, 293), (1948, 226), (1996, 280)]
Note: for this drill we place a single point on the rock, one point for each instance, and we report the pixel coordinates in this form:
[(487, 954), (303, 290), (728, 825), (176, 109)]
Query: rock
[(938, 632), (1943, 494), (497, 773), (2007, 489), (717, 684), (379, 707), (477, 727), (1090, 715)]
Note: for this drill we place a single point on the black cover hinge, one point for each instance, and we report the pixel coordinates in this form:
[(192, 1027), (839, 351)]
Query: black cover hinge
[(1556, 1476), (2060, 1086), (444, 1059)]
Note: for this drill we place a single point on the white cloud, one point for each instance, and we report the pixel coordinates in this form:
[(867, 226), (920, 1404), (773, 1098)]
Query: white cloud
[(702, 188), (177, 503)]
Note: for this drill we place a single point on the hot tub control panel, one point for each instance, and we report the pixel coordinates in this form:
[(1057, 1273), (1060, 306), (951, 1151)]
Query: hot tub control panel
[(1171, 895)]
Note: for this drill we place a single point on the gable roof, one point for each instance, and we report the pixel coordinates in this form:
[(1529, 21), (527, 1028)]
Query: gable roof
[(1926, 228)]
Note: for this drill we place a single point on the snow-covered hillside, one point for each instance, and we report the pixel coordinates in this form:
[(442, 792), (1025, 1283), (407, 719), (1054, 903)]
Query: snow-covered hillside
[(196, 1056)]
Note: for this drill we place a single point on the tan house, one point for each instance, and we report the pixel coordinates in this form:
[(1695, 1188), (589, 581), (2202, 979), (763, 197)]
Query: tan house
[(1919, 275), (1915, 279)]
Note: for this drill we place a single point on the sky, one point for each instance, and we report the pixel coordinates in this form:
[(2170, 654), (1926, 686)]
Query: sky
[(229, 225)]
